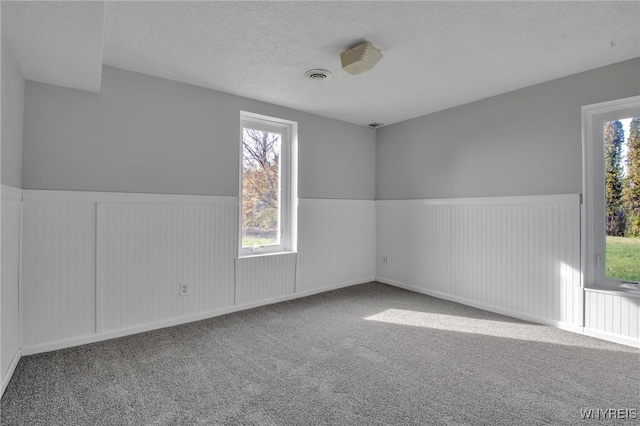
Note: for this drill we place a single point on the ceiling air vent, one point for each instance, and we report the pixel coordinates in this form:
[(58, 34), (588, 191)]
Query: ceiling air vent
[(374, 125), (318, 75)]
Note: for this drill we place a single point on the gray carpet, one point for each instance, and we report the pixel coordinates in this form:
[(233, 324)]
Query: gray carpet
[(365, 355)]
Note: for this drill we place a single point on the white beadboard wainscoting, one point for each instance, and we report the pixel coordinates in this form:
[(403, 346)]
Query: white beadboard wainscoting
[(267, 278), (58, 270), (10, 290), (612, 316), (336, 244), (518, 256), (146, 250), (102, 265), (89, 266)]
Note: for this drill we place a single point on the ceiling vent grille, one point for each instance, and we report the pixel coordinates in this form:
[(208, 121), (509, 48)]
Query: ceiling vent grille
[(318, 75), (374, 125)]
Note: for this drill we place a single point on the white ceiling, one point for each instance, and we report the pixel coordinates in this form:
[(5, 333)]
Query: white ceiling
[(56, 42), (436, 54)]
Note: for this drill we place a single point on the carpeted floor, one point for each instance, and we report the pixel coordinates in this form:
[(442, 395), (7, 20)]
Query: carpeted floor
[(365, 355)]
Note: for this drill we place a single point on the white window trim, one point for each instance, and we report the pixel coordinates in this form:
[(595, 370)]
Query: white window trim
[(593, 206), (288, 183)]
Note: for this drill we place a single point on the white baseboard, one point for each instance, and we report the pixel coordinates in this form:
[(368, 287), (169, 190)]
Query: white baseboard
[(616, 338), (335, 287), (9, 373), (93, 338), (485, 307), (113, 334), (263, 302)]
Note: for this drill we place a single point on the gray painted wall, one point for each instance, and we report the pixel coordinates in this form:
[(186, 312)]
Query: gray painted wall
[(525, 142), (13, 89), (147, 134)]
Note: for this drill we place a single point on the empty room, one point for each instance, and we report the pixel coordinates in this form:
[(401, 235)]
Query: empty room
[(317, 212)]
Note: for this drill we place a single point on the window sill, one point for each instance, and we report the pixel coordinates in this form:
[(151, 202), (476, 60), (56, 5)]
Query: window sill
[(614, 291), (263, 254)]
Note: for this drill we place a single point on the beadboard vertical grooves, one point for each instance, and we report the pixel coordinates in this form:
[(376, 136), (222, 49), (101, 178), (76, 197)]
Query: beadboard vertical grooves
[(100, 265), (110, 264), (10, 298), (58, 270), (336, 244), (515, 254), (146, 250), (611, 314), (262, 278)]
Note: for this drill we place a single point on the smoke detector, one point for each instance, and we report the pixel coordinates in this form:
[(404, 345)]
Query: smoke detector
[(360, 58), (318, 75)]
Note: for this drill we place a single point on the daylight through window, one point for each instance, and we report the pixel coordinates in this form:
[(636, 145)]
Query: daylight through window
[(622, 198), (611, 208), (266, 185)]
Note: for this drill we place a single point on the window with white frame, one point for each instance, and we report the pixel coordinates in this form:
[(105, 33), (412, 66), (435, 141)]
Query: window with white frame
[(611, 186), (267, 184)]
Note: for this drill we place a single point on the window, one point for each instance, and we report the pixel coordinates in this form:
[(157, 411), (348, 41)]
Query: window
[(611, 186), (267, 184)]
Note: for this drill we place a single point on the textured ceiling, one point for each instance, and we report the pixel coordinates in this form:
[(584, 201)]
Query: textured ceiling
[(436, 54), (56, 42)]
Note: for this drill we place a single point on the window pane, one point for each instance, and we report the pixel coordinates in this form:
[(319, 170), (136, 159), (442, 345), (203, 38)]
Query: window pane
[(260, 188), (622, 198)]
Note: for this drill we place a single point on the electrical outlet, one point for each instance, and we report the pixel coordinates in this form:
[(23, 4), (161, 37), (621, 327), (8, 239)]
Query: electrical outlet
[(384, 259), (184, 289)]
